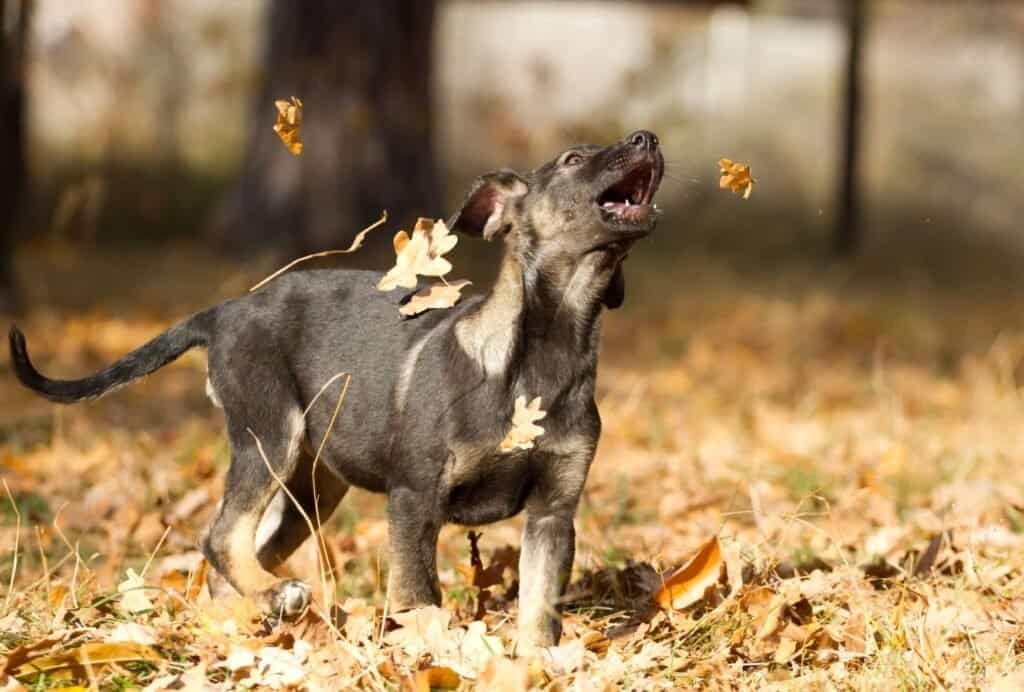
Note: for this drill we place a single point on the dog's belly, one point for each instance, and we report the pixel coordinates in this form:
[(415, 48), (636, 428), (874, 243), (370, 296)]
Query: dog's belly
[(490, 488), (486, 500)]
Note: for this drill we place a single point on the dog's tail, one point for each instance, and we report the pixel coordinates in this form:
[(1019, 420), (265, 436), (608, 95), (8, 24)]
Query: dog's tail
[(142, 361)]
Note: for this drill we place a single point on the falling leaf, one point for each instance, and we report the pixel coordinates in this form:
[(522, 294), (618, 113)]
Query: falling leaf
[(736, 176), (133, 593), (421, 254), (433, 297), (523, 431), (288, 125), (687, 584), (356, 244)]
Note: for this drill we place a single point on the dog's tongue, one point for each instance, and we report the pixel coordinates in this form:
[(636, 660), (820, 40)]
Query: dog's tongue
[(636, 213)]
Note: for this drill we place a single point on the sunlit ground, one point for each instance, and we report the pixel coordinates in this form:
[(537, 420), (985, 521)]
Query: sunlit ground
[(856, 446)]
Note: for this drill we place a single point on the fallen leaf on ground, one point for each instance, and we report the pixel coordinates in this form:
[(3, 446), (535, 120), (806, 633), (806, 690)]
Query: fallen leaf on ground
[(421, 254), (687, 584), (132, 633), (433, 297), (288, 125), (504, 675), (95, 654), (523, 431), (736, 176), (437, 677), (133, 593)]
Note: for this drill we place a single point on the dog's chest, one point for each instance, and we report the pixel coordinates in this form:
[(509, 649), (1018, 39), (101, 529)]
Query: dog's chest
[(484, 484)]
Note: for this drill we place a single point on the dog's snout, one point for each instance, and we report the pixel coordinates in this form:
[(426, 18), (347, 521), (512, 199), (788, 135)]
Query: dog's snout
[(644, 140)]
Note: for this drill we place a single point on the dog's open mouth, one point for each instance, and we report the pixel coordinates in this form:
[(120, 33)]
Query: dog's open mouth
[(629, 201)]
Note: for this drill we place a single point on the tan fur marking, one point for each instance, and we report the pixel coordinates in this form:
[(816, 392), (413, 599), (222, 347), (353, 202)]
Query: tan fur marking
[(246, 571), (488, 335)]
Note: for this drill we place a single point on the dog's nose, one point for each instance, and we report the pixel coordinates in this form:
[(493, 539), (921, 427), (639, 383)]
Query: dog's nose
[(644, 140)]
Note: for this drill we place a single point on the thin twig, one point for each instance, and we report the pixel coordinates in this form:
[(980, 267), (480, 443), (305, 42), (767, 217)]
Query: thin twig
[(288, 493), (356, 244), (152, 555), (318, 536)]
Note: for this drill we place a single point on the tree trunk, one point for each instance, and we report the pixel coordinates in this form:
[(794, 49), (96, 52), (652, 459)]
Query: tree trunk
[(13, 176), (363, 72), (848, 235)]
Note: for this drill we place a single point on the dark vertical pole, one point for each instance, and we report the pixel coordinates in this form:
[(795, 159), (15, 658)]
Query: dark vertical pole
[(13, 187), (848, 232)]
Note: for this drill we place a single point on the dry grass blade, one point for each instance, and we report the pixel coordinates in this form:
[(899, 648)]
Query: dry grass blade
[(17, 547), (356, 244)]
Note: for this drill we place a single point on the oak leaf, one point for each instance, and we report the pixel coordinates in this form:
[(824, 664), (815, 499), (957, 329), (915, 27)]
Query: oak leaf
[(288, 125), (421, 254), (523, 431), (435, 296), (736, 176), (687, 584)]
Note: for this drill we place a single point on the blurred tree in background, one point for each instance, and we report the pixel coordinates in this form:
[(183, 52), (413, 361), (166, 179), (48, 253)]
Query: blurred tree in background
[(363, 72), (14, 16)]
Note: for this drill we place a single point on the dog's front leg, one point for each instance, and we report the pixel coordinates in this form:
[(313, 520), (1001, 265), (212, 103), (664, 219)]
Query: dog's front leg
[(413, 525), (545, 564)]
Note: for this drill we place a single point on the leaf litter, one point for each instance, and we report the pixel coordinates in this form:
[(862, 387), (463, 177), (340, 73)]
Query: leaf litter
[(810, 517)]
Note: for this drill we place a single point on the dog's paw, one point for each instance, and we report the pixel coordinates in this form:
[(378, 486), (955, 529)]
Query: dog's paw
[(287, 600)]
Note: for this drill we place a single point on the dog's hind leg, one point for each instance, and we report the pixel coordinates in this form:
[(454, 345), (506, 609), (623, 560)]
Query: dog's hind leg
[(230, 543), (283, 528)]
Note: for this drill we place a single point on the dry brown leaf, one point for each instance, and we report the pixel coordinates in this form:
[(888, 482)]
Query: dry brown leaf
[(56, 595), (523, 431), (421, 254), (94, 654), (436, 677), (736, 176), (356, 244), (433, 297), (687, 584), (288, 125), (504, 675)]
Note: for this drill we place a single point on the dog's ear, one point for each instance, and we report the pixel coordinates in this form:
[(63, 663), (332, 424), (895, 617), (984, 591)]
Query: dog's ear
[(615, 294), (489, 206)]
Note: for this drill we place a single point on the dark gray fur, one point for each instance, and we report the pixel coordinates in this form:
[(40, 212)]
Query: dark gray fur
[(429, 400)]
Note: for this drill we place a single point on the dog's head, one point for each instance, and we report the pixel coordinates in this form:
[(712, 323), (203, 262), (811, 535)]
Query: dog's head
[(589, 204)]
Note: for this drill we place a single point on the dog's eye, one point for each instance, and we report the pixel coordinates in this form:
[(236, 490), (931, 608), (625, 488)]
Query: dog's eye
[(572, 159)]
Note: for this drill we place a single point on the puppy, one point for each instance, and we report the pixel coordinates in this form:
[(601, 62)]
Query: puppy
[(430, 398)]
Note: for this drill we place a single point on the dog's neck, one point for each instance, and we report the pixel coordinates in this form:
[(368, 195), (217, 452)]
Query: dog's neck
[(540, 323)]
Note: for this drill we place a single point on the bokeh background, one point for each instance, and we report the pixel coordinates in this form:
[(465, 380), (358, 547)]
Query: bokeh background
[(827, 374)]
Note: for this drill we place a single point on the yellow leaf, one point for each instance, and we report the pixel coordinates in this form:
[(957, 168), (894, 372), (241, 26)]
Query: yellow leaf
[(94, 654), (736, 176), (433, 297), (687, 584), (523, 431), (288, 125)]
